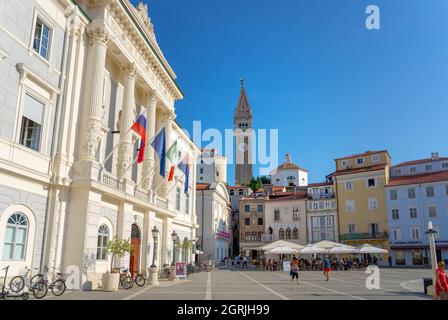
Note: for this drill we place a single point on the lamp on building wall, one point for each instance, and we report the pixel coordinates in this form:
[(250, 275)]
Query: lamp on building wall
[(155, 236), (175, 238)]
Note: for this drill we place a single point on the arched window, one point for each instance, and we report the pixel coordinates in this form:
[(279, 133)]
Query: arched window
[(281, 234), (271, 231), (103, 239), (295, 233), (295, 214), (288, 233), (16, 237)]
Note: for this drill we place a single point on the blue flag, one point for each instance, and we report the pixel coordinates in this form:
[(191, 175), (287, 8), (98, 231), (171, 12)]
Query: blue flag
[(159, 145), (184, 166)]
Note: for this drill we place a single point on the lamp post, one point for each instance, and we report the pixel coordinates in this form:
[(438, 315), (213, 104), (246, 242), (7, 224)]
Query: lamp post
[(173, 276), (155, 236), (153, 270), (432, 249)]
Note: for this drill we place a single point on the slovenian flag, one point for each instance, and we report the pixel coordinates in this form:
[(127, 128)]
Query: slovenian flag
[(171, 154), (159, 145), (184, 166), (139, 127)]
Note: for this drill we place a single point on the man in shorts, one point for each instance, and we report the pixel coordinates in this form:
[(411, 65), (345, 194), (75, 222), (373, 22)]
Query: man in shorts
[(327, 267), (294, 270)]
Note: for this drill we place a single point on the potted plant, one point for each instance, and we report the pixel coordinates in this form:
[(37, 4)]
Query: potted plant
[(117, 248)]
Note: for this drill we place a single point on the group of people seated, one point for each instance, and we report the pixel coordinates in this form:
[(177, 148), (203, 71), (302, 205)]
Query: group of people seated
[(317, 264)]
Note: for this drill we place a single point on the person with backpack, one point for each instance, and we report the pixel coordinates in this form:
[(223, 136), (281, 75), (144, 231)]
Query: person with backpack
[(294, 270)]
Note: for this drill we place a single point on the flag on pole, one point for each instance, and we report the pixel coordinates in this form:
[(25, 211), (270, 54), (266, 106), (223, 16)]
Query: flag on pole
[(172, 155), (139, 127), (159, 145), (184, 166)]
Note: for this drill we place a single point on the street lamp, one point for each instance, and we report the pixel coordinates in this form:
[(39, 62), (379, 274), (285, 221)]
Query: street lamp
[(432, 248), (175, 238), (155, 236)]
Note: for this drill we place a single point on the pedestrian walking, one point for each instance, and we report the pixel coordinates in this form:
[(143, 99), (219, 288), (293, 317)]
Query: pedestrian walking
[(294, 270), (245, 263), (238, 258), (441, 282), (327, 267)]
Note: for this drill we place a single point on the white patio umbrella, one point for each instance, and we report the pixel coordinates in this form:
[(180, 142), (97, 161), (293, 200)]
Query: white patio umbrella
[(281, 243), (367, 248), (325, 244), (342, 249), (283, 250), (310, 249)]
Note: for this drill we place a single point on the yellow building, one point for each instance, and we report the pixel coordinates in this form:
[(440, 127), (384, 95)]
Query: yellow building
[(360, 180)]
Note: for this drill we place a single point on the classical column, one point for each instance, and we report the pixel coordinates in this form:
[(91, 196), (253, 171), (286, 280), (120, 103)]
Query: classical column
[(125, 154), (160, 183), (92, 114), (148, 163)]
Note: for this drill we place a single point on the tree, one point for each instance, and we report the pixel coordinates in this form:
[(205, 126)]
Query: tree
[(118, 248), (265, 180), (255, 184)]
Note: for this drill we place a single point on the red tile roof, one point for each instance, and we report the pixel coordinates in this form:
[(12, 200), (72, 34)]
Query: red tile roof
[(320, 184), (367, 153), (202, 186), (361, 169), (284, 196), (419, 178), (408, 163), (287, 166)]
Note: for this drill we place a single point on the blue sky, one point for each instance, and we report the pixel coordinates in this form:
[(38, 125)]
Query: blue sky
[(313, 71)]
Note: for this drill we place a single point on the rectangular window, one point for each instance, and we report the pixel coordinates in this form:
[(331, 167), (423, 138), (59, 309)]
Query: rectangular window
[(415, 233), (201, 170), (247, 236), (413, 169), (371, 183), (413, 213), (276, 214), (260, 208), (395, 214), (397, 171), (260, 236), (393, 194), (247, 208), (350, 206), (446, 189), (315, 205), (445, 165), (432, 212), (396, 234), (375, 158), (348, 185), (178, 199), (373, 204), (187, 203), (430, 192), (411, 193), (351, 228), (345, 163), (260, 221), (241, 192), (328, 221), (232, 192), (428, 167), (295, 214), (360, 160), (247, 221), (31, 127), (42, 38)]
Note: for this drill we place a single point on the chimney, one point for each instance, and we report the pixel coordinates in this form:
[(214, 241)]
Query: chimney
[(434, 156)]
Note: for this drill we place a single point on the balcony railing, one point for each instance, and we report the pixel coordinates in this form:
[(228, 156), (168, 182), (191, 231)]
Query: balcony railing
[(364, 236), (322, 195), (267, 238), (111, 181)]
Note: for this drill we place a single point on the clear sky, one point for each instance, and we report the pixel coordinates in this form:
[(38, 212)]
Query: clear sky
[(313, 71)]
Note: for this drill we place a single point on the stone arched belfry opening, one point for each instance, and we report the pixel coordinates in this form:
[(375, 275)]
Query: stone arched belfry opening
[(242, 126)]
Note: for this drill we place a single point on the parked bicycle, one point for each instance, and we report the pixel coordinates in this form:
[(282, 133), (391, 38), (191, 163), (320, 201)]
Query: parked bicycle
[(164, 273), (57, 287), (38, 287)]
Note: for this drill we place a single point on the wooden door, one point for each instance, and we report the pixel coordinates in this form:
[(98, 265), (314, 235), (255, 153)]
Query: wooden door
[(135, 256)]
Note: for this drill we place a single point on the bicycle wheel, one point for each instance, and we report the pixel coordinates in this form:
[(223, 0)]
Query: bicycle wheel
[(17, 284), (127, 282), (58, 288), (140, 280), (35, 279), (40, 290)]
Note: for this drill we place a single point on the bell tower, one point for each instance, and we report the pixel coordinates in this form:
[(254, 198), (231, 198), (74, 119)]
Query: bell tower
[(242, 128)]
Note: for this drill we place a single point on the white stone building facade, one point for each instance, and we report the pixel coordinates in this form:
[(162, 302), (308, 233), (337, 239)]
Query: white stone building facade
[(289, 175), (211, 167), (74, 76), (215, 221)]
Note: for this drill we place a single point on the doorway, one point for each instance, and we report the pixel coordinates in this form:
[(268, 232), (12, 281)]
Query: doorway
[(135, 254)]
